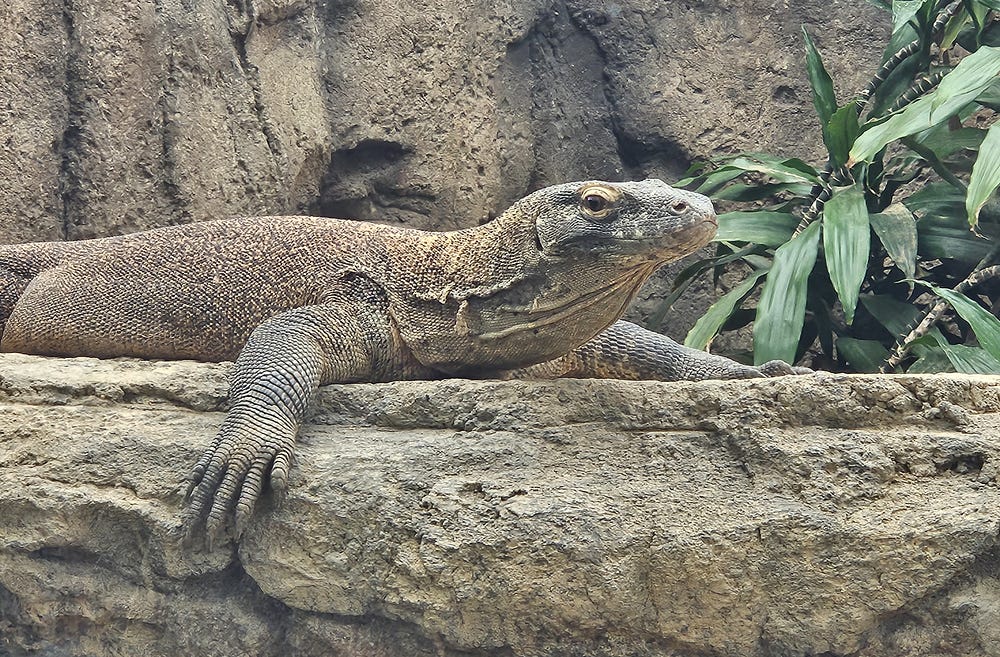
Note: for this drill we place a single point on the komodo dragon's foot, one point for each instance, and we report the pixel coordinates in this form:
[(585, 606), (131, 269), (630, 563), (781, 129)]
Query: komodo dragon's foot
[(781, 368), (233, 473)]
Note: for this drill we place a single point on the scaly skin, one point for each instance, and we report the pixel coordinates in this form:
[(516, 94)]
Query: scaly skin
[(304, 301)]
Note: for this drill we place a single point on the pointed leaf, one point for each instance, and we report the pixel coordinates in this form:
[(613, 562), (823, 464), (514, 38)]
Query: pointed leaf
[(846, 244), (937, 239), (740, 192), (840, 133), (953, 28), (985, 175), (903, 11), (897, 317), (944, 141), (777, 170), (938, 200), (968, 360), (761, 227), (897, 229), (708, 325), (991, 94), (984, 324), (782, 307), (862, 355), (898, 81), (976, 71), (931, 361), (824, 98), (965, 82), (716, 180)]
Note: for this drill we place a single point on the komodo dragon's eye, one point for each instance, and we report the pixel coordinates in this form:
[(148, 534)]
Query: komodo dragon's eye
[(598, 202), (595, 203)]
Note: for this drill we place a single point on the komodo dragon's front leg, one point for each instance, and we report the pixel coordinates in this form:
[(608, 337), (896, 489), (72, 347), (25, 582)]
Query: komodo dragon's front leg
[(628, 351), (272, 385)]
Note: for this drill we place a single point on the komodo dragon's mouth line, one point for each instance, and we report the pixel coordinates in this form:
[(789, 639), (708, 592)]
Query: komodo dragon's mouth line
[(555, 312)]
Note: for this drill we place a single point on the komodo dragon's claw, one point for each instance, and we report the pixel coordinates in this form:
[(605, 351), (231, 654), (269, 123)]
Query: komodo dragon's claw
[(232, 475)]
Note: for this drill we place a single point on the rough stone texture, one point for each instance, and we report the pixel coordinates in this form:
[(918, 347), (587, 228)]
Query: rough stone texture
[(825, 514), (437, 113)]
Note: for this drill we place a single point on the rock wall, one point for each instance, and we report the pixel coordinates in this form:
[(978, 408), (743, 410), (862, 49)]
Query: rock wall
[(823, 514), (437, 114)]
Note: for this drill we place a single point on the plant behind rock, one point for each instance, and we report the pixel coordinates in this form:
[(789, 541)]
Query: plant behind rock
[(862, 263)]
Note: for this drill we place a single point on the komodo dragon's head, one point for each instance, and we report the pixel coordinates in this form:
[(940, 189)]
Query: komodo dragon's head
[(551, 272), (647, 220)]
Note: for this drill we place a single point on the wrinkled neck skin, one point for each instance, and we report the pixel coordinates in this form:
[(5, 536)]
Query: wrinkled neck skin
[(489, 299)]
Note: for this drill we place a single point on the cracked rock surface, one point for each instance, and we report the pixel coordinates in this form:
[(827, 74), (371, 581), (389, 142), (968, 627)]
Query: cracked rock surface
[(822, 514)]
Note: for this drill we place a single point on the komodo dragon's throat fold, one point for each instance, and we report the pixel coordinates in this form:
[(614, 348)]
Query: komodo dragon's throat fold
[(559, 310)]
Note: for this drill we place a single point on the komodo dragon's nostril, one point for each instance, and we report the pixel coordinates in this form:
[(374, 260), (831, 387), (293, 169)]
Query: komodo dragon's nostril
[(679, 207)]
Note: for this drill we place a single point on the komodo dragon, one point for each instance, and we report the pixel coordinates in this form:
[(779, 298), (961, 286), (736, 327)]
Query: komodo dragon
[(303, 301)]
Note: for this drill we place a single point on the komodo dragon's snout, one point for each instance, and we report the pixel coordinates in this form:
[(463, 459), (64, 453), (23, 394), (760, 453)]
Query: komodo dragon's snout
[(303, 301)]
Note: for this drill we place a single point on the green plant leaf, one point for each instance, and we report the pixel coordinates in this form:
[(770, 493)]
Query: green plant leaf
[(985, 176), (953, 29), (779, 171), (824, 98), (744, 193), (897, 230), (976, 71), (760, 227), (943, 227), (801, 165), (839, 134), (896, 316), (983, 323), (931, 361), (965, 82), (862, 355), (950, 244), (967, 360), (903, 11), (991, 94), (708, 325), (938, 200), (992, 4), (897, 83), (846, 244), (713, 182), (782, 307), (944, 141)]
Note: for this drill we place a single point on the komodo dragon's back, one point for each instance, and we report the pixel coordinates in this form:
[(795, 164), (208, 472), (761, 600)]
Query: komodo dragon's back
[(195, 291), (306, 301)]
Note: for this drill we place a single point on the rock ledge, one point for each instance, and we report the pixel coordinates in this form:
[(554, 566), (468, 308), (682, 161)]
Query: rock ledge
[(824, 514)]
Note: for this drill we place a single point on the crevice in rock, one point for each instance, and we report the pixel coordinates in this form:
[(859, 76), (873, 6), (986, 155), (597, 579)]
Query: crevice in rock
[(964, 463), (241, 28), (640, 155), (71, 141), (364, 181), (169, 134), (564, 100), (67, 554)]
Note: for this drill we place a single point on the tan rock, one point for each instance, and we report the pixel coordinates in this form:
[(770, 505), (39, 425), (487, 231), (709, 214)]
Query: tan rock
[(803, 515)]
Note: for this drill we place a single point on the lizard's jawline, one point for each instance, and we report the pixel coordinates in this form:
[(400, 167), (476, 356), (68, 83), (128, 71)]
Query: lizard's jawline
[(623, 288), (680, 243)]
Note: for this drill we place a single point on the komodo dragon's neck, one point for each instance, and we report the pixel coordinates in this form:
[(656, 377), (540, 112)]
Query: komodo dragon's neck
[(490, 296)]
